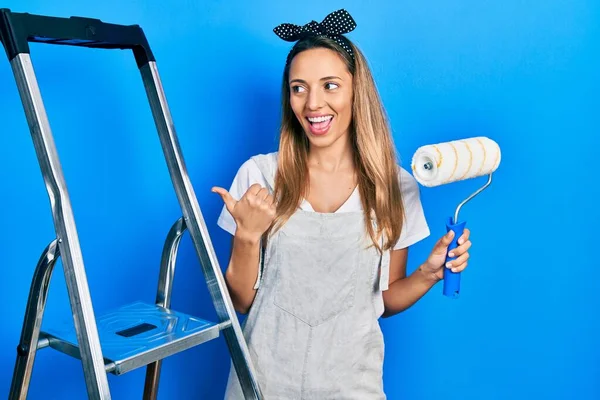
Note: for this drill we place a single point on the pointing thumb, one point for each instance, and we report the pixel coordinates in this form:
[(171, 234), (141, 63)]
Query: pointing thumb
[(229, 201)]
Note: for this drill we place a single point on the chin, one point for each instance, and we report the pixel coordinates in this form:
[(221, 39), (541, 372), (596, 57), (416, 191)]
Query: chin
[(322, 141), (319, 142)]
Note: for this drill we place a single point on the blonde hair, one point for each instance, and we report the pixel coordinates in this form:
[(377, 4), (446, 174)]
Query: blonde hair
[(372, 142)]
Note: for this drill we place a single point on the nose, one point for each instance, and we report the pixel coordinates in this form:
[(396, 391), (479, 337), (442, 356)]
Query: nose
[(315, 100)]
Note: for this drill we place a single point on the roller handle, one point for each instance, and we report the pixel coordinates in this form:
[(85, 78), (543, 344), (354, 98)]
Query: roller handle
[(452, 279), (18, 29)]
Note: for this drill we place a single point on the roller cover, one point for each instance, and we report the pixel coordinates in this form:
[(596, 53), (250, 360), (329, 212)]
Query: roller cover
[(438, 164)]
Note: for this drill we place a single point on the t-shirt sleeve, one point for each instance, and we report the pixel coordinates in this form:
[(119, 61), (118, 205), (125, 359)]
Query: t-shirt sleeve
[(247, 175), (415, 227)]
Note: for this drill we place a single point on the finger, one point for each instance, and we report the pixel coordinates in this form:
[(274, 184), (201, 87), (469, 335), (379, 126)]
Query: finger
[(458, 262), (263, 194), (272, 211), (445, 240), (465, 236), (229, 201), (460, 268), (270, 200), (254, 189), (441, 246), (258, 200), (460, 249)]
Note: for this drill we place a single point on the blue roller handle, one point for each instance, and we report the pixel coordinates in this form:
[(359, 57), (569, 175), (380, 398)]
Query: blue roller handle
[(452, 279)]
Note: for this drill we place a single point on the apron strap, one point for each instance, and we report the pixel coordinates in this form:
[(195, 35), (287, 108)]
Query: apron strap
[(384, 268), (266, 170), (261, 265), (384, 260)]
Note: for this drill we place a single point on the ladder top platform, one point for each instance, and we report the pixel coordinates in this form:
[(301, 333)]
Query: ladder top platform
[(138, 334)]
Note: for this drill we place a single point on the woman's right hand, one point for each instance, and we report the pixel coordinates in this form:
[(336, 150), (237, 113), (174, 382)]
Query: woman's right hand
[(253, 213)]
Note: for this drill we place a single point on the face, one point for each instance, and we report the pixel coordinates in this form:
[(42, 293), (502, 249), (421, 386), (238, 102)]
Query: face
[(321, 95)]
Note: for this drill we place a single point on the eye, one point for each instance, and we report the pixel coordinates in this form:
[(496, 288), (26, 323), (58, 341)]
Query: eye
[(297, 89), (331, 86)]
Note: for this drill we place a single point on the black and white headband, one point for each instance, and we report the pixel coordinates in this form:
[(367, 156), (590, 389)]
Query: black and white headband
[(333, 26)]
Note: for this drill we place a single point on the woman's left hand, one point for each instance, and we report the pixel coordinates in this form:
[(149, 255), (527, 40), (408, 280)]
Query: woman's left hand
[(435, 263)]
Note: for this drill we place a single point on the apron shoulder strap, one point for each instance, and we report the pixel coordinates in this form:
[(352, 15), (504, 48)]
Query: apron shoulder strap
[(267, 164), (384, 261)]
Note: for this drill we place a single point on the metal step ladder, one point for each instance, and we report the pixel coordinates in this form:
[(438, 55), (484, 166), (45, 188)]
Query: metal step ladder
[(138, 334)]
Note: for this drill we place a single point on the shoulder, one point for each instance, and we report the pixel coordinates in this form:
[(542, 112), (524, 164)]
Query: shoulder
[(415, 227), (259, 168), (410, 193), (265, 165), (264, 162), (408, 183), (255, 162)]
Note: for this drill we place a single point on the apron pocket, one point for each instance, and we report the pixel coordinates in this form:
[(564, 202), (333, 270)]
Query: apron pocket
[(316, 277)]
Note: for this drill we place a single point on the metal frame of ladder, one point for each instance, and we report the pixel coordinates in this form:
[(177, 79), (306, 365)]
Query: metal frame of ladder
[(116, 342)]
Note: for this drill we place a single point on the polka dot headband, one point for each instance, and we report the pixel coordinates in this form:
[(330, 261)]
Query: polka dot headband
[(333, 26)]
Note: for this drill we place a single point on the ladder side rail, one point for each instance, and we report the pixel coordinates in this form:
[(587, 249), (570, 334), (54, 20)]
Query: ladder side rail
[(16, 31), (198, 231), (66, 230)]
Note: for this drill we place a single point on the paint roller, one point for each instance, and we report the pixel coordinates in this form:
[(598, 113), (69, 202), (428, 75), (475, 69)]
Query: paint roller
[(442, 163)]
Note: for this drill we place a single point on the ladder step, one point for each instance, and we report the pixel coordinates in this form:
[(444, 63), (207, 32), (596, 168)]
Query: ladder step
[(138, 334)]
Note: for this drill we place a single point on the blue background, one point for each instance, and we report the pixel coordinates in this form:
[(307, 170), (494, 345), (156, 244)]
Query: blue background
[(525, 74)]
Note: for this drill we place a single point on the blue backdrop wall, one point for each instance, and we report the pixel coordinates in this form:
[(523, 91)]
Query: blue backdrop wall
[(523, 73)]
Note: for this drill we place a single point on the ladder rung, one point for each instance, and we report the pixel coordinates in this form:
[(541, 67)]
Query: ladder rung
[(138, 334)]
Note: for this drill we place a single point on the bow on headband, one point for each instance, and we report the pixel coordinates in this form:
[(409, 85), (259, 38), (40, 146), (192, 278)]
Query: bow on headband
[(333, 26)]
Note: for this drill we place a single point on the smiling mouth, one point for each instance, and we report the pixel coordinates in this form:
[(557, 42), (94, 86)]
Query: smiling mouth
[(320, 125)]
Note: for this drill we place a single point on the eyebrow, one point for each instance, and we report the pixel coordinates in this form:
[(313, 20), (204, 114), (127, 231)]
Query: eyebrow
[(326, 78)]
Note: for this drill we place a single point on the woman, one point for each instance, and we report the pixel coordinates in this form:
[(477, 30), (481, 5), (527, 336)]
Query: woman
[(321, 229)]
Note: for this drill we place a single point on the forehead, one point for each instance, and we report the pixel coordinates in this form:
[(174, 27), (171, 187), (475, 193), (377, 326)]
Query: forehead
[(317, 63)]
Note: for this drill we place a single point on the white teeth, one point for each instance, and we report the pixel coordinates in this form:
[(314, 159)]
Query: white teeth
[(320, 119)]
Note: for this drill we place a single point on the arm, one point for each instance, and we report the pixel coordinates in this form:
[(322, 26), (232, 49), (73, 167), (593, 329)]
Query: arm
[(242, 271), (404, 291), (253, 214)]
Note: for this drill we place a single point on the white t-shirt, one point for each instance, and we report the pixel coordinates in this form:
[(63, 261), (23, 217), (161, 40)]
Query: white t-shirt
[(415, 226)]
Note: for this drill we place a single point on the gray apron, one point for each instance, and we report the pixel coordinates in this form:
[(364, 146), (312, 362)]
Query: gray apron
[(313, 330)]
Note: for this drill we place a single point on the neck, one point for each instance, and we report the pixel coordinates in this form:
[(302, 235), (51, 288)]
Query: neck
[(332, 158)]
